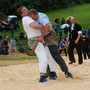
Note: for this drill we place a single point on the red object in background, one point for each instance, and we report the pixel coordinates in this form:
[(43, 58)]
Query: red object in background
[(4, 22), (6, 39), (68, 22), (3, 47)]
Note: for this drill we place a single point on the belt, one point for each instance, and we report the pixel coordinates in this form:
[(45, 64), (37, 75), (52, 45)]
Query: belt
[(47, 34)]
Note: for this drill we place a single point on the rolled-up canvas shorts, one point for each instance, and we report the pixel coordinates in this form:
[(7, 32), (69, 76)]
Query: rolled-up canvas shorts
[(51, 39), (33, 42)]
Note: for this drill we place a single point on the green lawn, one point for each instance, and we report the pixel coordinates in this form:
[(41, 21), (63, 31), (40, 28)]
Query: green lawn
[(80, 12)]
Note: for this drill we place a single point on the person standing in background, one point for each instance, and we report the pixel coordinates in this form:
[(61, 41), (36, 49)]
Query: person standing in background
[(75, 42), (85, 43)]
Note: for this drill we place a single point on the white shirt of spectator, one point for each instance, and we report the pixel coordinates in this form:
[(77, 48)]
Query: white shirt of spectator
[(29, 30), (72, 28)]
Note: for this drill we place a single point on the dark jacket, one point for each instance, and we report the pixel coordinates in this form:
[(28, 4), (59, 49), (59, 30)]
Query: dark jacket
[(73, 34)]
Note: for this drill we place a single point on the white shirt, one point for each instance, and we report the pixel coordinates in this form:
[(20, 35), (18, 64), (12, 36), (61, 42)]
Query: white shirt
[(29, 30), (72, 27)]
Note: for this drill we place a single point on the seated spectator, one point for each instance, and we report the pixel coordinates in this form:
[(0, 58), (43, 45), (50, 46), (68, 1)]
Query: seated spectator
[(21, 35), (62, 46), (22, 48), (85, 43), (4, 49), (13, 45)]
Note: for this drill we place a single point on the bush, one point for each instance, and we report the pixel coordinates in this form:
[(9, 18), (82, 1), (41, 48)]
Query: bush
[(10, 6)]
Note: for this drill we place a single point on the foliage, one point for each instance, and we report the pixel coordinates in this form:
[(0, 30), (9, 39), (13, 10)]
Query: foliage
[(10, 6)]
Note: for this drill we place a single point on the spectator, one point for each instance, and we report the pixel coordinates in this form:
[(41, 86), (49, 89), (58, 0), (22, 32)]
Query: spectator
[(4, 49), (14, 38), (21, 35), (22, 48), (57, 25), (60, 34), (12, 29), (57, 21), (6, 40), (56, 30), (75, 32), (69, 22), (85, 43), (66, 31), (63, 21), (4, 35), (62, 47), (13, 45)]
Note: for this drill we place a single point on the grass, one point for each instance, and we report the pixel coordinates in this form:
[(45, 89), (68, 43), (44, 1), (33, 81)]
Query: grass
[(19, 59), (80, 12)]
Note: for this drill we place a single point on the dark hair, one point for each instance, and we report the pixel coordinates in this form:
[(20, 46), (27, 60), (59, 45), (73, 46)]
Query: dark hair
[(33, 11), (19, 10), (56, 20)]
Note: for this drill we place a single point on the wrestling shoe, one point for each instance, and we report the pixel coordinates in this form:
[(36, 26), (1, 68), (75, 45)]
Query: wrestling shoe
[(43, 79), (68, 74), (53, 76), (72, 62)]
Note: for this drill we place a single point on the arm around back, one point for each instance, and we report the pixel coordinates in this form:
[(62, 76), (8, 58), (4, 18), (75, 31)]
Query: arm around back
[(36, 26)]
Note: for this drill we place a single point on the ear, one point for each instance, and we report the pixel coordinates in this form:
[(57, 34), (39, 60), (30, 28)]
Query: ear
[(22, 15)]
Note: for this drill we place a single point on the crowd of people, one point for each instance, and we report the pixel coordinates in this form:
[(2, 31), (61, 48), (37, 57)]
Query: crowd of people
[(5, 45), (85, 37)]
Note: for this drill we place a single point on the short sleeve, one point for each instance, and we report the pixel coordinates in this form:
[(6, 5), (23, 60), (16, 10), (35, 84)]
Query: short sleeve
[(44, 20)]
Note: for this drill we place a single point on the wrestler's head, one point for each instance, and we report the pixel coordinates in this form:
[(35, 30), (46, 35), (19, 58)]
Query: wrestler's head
[(22, 11), (33, 14)]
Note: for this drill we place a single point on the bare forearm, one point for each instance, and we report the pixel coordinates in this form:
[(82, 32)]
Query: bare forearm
[(67, 41), (36, 26), (79, 35), (46, 29)]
